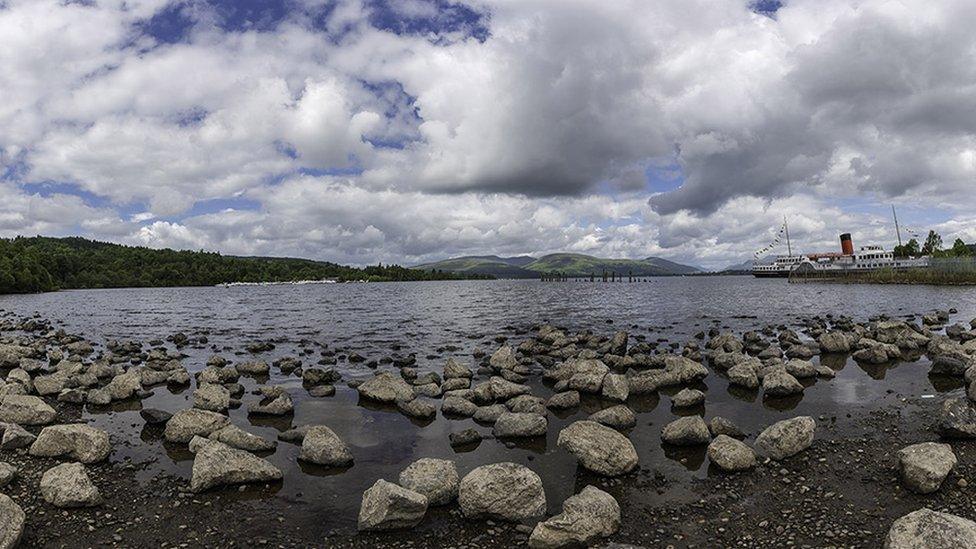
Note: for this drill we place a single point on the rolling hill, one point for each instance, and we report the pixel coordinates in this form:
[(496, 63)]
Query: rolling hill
[(574, 265)]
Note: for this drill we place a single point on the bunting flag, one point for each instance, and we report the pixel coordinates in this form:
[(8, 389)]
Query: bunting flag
[(776, 240)]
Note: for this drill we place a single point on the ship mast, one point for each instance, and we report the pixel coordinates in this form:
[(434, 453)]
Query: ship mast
[(897, 228), (789, 247)]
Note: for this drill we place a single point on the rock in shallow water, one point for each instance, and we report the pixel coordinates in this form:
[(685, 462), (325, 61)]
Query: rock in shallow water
[(322, 446), (212, 397), (185, 424), (924, 466), (786, 438), (928, 529), (217, 464), (465, 437), (82, 443), (437, 479), (520, 425), (780, 383), (153, 416), (68, 485), (387, 506), (599, 448), (504, 491), (587, 517), (618, 417), (686, 431), (386, 387), (234, 436)]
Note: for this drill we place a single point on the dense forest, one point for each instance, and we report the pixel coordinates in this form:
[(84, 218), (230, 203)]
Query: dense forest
[(40, 264)]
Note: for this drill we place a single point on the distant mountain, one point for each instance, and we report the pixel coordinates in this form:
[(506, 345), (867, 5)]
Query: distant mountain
[(576, 265), (744, 266)]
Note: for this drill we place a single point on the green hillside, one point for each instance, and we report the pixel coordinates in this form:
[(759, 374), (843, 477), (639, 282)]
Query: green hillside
[(40, 264), (585, 265), (575, 265)]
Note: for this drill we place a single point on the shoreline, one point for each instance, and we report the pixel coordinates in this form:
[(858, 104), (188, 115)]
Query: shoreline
[(805, 498)]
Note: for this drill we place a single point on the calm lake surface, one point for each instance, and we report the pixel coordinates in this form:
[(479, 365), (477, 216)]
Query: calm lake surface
[(436, 320)]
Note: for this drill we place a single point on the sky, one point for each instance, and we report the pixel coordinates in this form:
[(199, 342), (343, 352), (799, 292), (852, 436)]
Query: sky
[(405, 131)]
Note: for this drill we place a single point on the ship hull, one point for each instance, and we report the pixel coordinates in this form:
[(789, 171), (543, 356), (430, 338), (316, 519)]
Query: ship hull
[(775, 274)]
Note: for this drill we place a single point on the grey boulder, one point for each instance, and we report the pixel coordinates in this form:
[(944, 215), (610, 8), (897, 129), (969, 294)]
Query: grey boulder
[(217, 464), (437, 479), (730, 454), (924, 466), (928, 529), (586, 518), (387, 506), (322, 446), (191, 422), (786, 438), (12, 519), (68, 485), (26, 410), (599, 448), (686, 431), (79, 442), (503, 491)]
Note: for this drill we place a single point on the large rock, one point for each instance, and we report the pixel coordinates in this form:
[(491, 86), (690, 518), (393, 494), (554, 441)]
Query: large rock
[(503, 358), (599, 448), (615, 387), (454, 369), (387, 506), (323, 447), (618, 417), (678, 370), (217, 464), (503, 389), (503, 491), (386, 387), (730, 454), (688, 397), (125, 386), (281, 405), (79, 442), (957, 418), (586, 518), (520, 425), (786, 438), (186, 424), (68, 485), (457, 406), (437, 479), (928, 529), (686, 431), (212, 397), (234, 436), (834, 342), (26, 410), (743, 375), (11, 523), (780, 383), (15, 436), (7, 474), (924, 466)]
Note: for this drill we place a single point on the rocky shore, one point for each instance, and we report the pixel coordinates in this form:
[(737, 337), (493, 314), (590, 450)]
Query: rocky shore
[(893, 475)]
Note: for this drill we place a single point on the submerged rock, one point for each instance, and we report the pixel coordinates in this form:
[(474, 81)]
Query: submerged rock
[(586, 518), (217, 464), (79, 442), (387, 506), (924, 466), (465, 437), (503, 491), (928, 529), (68, 485), (154, 416), (786, 438), (599, 448), (437, 479)]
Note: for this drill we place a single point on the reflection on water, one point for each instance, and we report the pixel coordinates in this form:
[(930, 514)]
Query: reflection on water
[(436, 320)]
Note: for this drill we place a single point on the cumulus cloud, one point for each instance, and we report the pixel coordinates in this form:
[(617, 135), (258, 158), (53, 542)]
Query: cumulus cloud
[(434, 128)]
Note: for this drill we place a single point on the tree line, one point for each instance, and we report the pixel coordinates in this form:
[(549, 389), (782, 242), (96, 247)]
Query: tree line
[(41, 264), (933, 247)]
